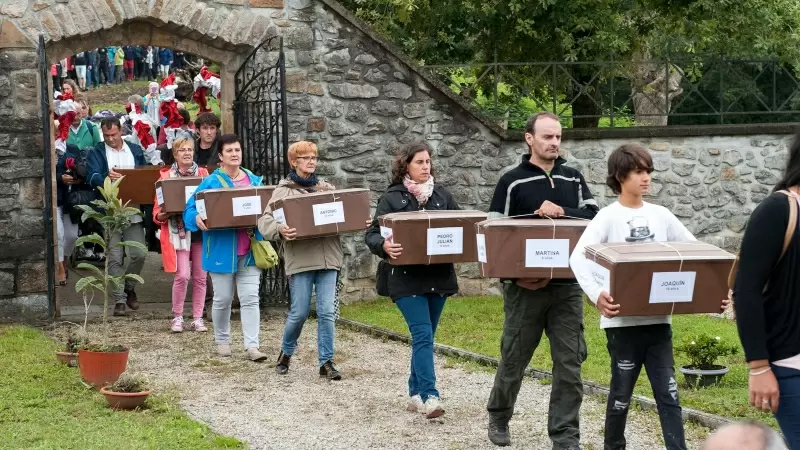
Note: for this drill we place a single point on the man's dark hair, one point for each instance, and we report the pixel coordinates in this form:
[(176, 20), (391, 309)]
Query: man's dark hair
[(207, 118), (227, 139), (530, 126), (109, 122), (623, 161), (404, 156)]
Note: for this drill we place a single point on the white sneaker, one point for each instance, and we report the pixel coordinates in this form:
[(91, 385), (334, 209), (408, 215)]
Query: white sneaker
[(415, 404), (198, 325), (433, 407), (177, 325), (224, 349)]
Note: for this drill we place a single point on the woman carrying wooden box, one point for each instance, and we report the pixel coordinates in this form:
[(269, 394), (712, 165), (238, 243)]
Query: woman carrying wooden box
[(311, 264), (182, 250), (420, 291), (227, 255)]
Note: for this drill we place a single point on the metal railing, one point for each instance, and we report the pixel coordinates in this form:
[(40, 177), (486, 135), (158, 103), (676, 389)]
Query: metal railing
[(629, 93)]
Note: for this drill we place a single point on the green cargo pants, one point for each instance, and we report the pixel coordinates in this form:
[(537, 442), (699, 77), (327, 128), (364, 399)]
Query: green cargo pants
[(558, 311)]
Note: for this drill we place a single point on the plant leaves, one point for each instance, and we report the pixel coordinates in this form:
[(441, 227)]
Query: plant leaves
[(93, 238), (134, 277), (134, 244), (83, 284), (86, 266)]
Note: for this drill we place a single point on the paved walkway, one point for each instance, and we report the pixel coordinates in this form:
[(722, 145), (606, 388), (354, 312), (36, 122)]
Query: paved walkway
[(365, 410)]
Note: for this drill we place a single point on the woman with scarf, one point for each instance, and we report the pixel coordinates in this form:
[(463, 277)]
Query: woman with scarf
[(419, 291), (182, 250), (311, 264)]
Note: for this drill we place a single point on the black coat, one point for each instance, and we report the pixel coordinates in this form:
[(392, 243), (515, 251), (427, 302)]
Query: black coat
[(405, 281)]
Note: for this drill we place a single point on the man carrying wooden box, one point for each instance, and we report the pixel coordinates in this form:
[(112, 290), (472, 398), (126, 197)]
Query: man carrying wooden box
[(541, 185)]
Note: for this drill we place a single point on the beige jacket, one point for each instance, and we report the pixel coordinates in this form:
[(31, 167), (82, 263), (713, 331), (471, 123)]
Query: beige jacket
[(301, 255)]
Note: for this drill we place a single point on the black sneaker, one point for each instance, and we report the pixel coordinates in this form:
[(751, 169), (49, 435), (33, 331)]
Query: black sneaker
[(329, 371), (499, 435), (283, 364)]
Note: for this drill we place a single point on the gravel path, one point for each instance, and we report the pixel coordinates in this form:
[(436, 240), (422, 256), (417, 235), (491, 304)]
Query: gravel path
[(365, 410)]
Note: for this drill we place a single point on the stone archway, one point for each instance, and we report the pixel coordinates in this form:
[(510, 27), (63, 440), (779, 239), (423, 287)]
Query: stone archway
[(347, 89), (221, 33)]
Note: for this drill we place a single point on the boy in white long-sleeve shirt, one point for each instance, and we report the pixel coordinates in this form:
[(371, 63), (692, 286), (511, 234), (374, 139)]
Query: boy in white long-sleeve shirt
[(634, 342)]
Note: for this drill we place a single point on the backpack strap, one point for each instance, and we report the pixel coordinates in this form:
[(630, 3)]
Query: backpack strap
[(223, 181), (787, 236)]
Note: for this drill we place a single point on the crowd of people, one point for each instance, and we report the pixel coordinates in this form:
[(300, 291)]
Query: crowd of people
[(113, 65), (221, 266)]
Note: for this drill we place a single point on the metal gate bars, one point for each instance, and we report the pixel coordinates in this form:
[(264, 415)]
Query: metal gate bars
[(259, 115)]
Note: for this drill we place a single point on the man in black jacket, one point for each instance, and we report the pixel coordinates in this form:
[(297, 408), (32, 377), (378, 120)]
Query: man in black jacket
[(541, 185)]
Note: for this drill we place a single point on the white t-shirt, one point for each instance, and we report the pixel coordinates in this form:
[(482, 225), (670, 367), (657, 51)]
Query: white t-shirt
[(122, 159), (617, 223)]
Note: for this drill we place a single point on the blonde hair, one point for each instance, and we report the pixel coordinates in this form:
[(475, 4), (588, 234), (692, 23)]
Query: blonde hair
[(178, 143), (301, 148)]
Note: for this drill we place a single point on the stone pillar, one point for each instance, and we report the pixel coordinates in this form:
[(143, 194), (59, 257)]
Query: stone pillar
[(23, 283)]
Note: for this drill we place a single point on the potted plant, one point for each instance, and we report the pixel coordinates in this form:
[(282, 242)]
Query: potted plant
[(73, 341), (128, 392), (102, 363), (703, 351)]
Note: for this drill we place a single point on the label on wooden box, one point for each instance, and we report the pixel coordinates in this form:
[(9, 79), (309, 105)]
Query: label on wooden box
[(547, 253), (445, 241), (279, 216), (672, 287), (246, 206), (481, 247), (328, 213), (601, 276)]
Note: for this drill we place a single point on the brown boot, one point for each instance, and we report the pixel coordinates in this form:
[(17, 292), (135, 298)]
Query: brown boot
[(133, 301), (119, 309)]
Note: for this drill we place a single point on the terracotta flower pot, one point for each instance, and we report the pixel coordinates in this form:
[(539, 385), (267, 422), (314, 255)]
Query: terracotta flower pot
[(70, 359), (125, 400), (102, 368)]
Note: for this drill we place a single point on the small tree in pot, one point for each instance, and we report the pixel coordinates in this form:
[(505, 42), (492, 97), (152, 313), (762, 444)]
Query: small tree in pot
[(102, 363), (73, 336), (128, 392), (703, 352)]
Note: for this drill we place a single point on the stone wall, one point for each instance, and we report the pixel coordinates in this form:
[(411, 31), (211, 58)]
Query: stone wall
[(712, 183), (347, 90), (22, 232)]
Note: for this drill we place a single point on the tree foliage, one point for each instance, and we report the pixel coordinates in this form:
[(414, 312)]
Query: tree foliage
[(484, 31)]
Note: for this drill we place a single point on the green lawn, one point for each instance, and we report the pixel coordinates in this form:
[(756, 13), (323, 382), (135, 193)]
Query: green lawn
[(44, 405), (476, 323)]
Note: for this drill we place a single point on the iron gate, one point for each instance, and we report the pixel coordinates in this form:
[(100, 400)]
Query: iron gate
[(259, 116), (47, 152)]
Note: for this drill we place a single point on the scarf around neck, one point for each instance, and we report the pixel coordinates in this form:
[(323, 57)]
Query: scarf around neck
[(305, 182), (191, 172), (422, 191)]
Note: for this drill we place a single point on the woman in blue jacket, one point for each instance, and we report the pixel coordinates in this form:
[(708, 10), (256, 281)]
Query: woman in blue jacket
[(227, 255)]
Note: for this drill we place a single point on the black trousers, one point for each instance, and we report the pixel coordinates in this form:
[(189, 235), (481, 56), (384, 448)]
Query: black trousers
[(630, 349)]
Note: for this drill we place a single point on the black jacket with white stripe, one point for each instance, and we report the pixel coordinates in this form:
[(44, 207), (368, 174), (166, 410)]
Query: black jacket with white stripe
[(523, 189)]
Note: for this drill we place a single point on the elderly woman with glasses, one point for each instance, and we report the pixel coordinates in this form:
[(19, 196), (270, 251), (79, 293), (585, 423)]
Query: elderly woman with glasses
[(311, 264), (182, 250)]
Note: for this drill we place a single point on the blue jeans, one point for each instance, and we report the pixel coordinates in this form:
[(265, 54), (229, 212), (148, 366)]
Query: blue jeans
[(112, 73), (422, 313), (789, 404), (300, 287)]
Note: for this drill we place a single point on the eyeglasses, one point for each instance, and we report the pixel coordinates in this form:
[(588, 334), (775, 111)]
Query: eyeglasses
[(308, 158)]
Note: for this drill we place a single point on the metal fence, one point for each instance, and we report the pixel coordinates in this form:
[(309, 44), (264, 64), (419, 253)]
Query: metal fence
[(630, 93)]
